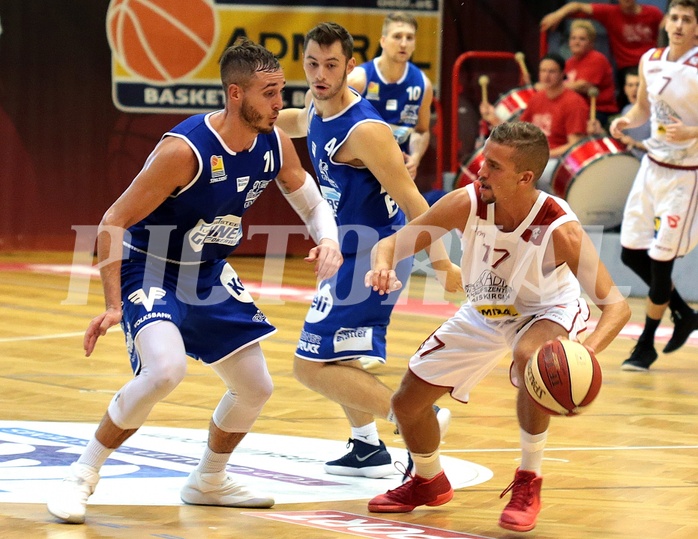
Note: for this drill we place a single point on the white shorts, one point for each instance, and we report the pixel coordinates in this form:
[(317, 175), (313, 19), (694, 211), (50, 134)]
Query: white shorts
[(465, 348), (660, 213)]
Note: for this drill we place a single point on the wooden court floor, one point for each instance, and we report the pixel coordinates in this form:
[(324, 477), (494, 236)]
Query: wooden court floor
[(627, 468)]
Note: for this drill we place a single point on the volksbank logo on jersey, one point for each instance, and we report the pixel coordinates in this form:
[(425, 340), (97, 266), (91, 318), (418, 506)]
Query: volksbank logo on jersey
[(353, 339), (139, 297), (217, 169), (321, 306), (225, 230), (489, 286)]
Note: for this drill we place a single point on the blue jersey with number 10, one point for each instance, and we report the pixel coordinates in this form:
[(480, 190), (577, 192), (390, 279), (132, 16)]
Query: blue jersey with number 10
[(397, 102)]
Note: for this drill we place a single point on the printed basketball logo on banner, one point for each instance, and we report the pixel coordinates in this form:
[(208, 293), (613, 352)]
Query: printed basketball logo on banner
[(161, 40), (165, 53)]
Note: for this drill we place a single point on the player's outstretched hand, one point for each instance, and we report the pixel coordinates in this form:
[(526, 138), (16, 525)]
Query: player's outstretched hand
[(383, 281), (98, 327), (327, 258)]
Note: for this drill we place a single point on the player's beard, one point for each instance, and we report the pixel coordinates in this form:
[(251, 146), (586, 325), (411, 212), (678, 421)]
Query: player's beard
[(254, 119), (333, 91)]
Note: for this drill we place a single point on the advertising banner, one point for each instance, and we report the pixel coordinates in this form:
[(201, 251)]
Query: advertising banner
[(165, 52)]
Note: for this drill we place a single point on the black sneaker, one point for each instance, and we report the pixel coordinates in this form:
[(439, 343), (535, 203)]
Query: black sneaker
[(640, 358), (684, 325), (363, 460)]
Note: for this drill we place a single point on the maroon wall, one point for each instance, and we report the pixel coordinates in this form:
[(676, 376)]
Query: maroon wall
[(66, 152)]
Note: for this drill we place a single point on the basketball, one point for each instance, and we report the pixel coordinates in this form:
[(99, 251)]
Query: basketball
[(563, 377), (161, 40)]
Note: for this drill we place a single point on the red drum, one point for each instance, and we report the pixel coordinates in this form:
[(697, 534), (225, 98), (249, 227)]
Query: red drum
[(513, 103), (595, 176), (468, 172)]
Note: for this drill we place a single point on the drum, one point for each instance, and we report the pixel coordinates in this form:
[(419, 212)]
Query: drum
[(595, 176), (468, 172), (510, 105)]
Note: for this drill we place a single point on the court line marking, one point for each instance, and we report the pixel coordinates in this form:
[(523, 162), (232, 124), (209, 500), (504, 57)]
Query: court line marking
[(550, 449), (42, 337)]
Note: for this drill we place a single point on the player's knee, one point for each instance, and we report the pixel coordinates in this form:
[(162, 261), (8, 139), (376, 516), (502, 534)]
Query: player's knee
[(403, 404), (635, 259), (257, 394), (166, 376)]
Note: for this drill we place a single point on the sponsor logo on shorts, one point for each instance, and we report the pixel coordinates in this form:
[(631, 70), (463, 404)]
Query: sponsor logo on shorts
[(321, 305), (673, 220), (233, 284), (310, 342), (139, 297), (497, 311), (260, 317), (353, 339), (151, 316)]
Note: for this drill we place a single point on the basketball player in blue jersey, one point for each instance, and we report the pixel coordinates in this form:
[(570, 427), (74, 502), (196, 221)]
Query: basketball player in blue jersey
[(362, 175), (402, 95), (398, 89), (525, 255), (173, 291)]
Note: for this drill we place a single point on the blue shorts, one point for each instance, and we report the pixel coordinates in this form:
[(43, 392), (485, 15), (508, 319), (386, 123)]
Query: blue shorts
[(347, 320), (207, 302)]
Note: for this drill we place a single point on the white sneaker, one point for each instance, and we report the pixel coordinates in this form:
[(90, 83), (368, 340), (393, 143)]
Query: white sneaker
[(370, 363), (443, 416), (69, 501), (218, 488)]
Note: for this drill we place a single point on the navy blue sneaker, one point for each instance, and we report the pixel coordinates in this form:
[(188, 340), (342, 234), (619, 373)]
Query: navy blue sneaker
[(363, 460)]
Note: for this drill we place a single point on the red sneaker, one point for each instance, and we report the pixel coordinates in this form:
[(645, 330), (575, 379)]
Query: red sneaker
[(417, 491), (521, 512)]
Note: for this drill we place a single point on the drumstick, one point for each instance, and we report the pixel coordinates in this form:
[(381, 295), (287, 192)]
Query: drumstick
[(592, 93), (483, 81), (525, 75)]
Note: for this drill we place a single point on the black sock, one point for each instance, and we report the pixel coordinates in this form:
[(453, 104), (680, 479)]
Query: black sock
[(647, 337), (678, 305)]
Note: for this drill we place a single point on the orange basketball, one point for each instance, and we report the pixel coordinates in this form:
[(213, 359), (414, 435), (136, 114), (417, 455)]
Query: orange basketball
[(161, 40)]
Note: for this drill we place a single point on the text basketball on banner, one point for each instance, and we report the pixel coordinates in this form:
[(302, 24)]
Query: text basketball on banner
[(165, 52)]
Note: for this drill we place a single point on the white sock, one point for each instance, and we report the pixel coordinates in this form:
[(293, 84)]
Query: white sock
[(427, 465), (367, 434), (213, 462), (95, 454), (532, 447)]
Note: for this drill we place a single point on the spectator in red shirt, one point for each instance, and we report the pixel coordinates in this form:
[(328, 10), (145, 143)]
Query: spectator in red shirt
[(632, 29), (588, 68), (561, 114)]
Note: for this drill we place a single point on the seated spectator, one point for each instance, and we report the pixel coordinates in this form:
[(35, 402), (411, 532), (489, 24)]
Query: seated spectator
[(634, 137), (632, 29), (588, 68), (561, 114)]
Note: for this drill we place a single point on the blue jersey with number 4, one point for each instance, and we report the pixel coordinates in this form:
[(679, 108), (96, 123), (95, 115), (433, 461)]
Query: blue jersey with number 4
[(357, 198)]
